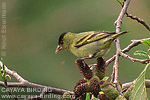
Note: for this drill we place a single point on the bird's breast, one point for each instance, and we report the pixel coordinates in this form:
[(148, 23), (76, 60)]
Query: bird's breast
[(85, 50)]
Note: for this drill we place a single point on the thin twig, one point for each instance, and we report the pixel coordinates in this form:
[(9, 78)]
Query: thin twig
[(24, 83), (133, 44), (134, 59), (5, 81), (140, 20), (128, 84), (126, 49), (110, 60), (6, 87)]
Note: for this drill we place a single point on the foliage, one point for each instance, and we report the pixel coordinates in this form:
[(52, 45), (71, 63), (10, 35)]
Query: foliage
[(2, 72), (139, 87), (143, 53), (120, 2), (146, 42)]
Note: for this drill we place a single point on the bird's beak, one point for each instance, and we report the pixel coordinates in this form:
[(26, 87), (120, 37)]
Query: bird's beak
[(59, 47)]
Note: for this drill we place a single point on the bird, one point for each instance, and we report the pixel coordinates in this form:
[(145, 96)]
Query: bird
[(87, 45)]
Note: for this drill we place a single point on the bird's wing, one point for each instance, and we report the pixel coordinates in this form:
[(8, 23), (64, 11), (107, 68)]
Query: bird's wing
[(89, 38)]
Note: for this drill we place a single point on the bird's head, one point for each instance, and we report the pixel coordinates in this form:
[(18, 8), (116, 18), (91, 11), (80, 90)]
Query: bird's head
[(64, 41)]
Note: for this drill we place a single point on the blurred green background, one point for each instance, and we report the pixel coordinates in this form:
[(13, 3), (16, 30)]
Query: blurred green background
[(34, 26)]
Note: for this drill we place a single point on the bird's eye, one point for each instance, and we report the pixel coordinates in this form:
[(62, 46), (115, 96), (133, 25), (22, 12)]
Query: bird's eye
[(61, 42)]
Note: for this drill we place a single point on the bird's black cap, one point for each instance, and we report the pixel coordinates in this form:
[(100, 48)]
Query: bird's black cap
[(60, 42)]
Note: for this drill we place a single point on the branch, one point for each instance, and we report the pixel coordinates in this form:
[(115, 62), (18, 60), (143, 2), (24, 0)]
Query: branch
[(140, 20), (24, 83), (118, 23), (133, 44), (129, 47), (6, 87), (134, 59), (127, 85)]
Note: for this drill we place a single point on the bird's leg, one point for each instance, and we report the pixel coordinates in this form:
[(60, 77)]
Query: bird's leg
[(88, 57), (84, 69)]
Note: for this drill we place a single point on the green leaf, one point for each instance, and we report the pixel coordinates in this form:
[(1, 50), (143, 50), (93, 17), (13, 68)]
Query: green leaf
[(142, 53), (87, 96), (146, 42), (3, 73), (94, 98), (0, 69), (88, 80), (139, 90), (120, 2), (105, 78), (120, 98)]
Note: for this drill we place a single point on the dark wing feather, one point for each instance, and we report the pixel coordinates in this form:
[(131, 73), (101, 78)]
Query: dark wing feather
[(89, 38)]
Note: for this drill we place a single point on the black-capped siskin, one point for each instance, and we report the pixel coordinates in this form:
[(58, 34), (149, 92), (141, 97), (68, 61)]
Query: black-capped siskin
[(87, 45)]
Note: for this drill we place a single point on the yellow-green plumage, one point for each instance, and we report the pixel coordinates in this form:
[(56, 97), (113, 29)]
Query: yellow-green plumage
[(88, 44)]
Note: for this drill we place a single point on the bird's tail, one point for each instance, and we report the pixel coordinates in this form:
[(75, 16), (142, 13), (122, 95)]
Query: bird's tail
[(114, 36)]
